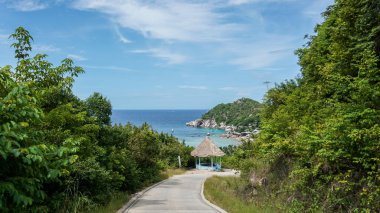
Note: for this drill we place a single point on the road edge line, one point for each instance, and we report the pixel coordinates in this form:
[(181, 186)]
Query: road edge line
[(208, 202), (136, 196)]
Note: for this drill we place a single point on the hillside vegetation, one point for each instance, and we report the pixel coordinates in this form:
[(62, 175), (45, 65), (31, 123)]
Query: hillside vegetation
[(61, 154), (318, 149), (243, 112)]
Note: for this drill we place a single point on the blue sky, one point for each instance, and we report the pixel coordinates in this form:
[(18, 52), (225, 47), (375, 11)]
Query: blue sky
[(167, 54)]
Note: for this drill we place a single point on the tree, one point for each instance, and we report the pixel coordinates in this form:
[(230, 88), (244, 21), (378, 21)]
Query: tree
[(99, 107), (26, 162), (243, 113), (323, 130), (54, 145)]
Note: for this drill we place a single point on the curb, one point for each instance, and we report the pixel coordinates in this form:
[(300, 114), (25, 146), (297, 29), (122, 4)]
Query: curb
[(217, 208), (136, 196)]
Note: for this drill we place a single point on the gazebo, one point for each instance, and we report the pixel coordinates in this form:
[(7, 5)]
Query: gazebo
[(208, 149)]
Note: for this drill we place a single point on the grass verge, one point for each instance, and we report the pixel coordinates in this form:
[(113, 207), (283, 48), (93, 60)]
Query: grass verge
[(223, 192), (117, 201), (171, 172)]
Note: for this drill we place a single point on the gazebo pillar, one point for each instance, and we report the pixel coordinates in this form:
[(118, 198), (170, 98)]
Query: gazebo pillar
[(212, 163), (210, 150)]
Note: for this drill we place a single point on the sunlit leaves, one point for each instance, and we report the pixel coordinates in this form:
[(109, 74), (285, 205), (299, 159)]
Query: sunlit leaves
[(327, 124), (26, 161), (23, 44), (54, 145)]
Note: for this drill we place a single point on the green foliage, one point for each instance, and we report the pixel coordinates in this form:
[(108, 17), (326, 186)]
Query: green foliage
[(23, 45), (320, 136), (99, 107), (233, 195), (53, 145), (26, 160), (240, 157), (243, 113)]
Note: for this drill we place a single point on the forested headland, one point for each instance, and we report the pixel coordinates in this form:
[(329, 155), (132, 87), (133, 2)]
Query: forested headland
[(319, 145), (61, 154), (240, 115), (243, 113)]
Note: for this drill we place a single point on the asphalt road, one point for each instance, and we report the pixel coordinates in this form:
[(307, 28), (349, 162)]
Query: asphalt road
[(180, 194)]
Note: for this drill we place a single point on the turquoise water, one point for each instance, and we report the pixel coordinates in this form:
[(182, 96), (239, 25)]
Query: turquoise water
[(168, 120)]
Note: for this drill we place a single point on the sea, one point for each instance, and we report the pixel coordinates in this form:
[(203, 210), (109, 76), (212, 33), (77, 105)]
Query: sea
[(172, 122)]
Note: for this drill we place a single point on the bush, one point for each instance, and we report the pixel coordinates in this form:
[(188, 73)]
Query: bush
[(54, 145)]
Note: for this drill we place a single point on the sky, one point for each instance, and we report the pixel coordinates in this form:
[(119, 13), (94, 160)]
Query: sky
[(167, 54)]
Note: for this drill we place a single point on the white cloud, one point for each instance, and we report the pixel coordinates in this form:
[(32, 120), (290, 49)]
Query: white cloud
[(4, 39), (192, 87), (108, 68), (28, 5), (263, 54), (169, 57), (224, 34), (240, 2), (256, 60), (122, 38), (166, 20), (3, 36), (45, 48), (316, 8), (227, 88), (178, 22), (76, 57)]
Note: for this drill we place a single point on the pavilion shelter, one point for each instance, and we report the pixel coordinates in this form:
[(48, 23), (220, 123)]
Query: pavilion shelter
[(208, 149)]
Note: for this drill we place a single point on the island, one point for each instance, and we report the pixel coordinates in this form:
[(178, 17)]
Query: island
[(240, 119)]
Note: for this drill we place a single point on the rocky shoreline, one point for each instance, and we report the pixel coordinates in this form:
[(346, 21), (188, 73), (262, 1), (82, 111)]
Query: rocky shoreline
[(230, 129)]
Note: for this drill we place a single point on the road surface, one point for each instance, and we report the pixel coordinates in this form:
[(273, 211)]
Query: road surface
[(180, 193)]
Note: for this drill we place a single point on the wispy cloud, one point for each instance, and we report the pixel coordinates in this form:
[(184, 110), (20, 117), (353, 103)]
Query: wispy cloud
[(27, 5), (227, 88), (210, 22), (166, 20), (108, 68), (76, 57), (122, 38), (240, 2), (181, 22), (4, 36), (280, 51), (169, 57), (45, 48), (255, 61), (192, 87), (263, 54), (313, 11), (4, 39)]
